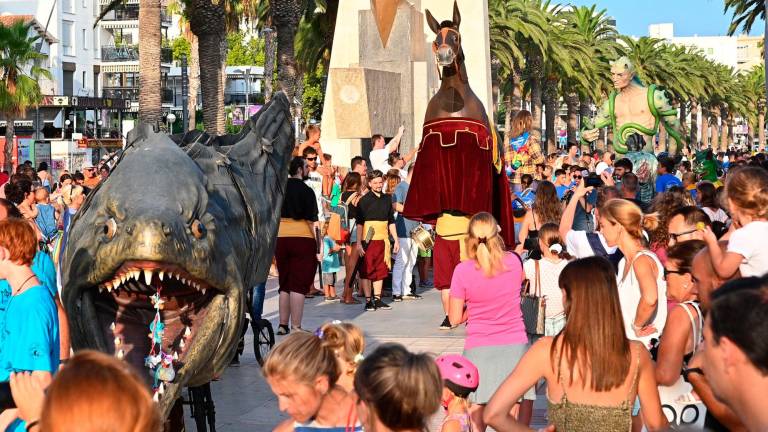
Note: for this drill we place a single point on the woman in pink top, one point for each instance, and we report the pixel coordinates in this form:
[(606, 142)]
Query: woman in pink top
[(485, 293)]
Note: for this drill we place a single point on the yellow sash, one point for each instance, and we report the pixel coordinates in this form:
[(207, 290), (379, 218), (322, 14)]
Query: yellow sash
[(452, 227), (295, 228), (380, 232)]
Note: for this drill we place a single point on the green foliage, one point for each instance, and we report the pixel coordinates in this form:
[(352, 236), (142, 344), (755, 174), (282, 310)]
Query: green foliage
[(314, 96), (20, 69), (244, 50), (181, 47), (745, 13)]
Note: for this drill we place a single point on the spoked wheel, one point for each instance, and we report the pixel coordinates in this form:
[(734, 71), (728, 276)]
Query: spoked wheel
[(263, 339)]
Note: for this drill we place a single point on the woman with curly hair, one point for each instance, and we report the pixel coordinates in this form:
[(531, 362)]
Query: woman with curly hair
[(664, 204), (546, 209)]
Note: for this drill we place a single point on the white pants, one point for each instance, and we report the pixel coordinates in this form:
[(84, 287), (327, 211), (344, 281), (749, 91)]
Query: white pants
[(402, 272)]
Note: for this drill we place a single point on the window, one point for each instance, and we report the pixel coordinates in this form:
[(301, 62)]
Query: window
[(83, 82), (95, 42), (68, 6), (67, 38), (85, 40)]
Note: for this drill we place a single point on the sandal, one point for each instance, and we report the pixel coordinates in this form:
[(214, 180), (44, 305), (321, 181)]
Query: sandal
[(283, 330), (299, 329)]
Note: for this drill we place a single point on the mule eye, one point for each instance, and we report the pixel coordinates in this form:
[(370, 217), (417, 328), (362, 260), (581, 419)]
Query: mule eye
[(110, 228), (198, 229)]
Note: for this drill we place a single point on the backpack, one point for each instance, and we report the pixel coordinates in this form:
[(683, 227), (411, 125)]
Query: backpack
[(599, 250)]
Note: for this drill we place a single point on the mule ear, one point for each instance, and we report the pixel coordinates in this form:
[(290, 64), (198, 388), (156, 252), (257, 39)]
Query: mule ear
[(456, 14), (433, 24)]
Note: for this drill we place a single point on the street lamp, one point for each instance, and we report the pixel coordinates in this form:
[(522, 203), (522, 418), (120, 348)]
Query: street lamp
[(170, 118)]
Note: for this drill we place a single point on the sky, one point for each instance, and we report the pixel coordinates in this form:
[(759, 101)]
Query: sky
[(690, 17)]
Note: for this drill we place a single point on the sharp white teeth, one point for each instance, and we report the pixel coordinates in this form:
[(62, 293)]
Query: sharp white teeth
[(161, 389), (101, 288), (182, 344), (135, 274), (148, 276), (112, 326), (184, 281), (123, 278), (177, 276), (187, 332), (203, 291), (117, 341), (120, 354), (156, 397), (175, 355), (161, 275)]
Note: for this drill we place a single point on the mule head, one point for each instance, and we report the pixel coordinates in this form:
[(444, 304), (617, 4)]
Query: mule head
[(447, 43)]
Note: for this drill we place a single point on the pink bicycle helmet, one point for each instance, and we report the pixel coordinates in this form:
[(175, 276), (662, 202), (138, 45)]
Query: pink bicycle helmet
[(459, 374)]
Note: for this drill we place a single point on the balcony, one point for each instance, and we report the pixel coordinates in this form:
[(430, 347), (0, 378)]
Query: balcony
[(126, 53), (128, 13), (132, 93)]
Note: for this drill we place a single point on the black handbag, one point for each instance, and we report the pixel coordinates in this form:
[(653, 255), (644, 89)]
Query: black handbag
[(533, 305)]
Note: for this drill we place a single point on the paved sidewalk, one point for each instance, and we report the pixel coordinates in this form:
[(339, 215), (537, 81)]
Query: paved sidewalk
[(243, 399)]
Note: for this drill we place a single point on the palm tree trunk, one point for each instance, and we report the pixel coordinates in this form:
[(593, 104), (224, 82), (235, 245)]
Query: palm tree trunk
[(149, 62), (550, 99), (517, 90), (508, 107), (8, 149), (705, 128), (724, 135), (683, 120), (715, 136), (269, 63), (286, 14), (512, 103), (194, 81), (761, 130), (662, 138), (694, 130), (207, 21), (572, 104), (535, 66), (585, 111)]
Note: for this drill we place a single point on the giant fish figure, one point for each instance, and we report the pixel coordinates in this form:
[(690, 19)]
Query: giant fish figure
[(192, 218)]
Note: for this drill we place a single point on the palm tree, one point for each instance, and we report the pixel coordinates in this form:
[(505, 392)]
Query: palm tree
[(286, 15), (745, 13), (599, 33), (517, 30), (150, 101), (20, 71), (751, 85), (193, 62)]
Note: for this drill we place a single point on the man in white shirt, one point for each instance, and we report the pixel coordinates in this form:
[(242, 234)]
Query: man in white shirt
[(581, 244), (314, 180), (380, 153)]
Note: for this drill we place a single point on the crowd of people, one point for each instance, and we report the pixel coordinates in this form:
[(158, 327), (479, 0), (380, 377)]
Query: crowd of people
[(627, 261), (651, 291)]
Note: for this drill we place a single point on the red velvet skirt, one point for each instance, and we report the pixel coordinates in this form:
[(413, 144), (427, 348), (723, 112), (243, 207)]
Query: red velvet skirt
[(454, 172)]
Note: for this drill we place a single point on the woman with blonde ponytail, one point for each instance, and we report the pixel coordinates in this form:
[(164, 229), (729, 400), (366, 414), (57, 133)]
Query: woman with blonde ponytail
[(642, 287), (485, 293)]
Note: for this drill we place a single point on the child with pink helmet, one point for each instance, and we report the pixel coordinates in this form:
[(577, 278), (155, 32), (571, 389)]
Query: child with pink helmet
[(460, 378)]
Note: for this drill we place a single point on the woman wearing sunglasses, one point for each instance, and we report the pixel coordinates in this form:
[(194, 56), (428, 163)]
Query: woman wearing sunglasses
[(682, 334)]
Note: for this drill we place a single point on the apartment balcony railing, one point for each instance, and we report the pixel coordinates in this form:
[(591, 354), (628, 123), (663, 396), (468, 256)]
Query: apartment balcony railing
[(130, 14), (132, 93), (131, 53)]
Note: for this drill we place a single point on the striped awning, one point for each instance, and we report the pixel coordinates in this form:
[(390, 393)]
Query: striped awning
[(120, 67), (119, 24)]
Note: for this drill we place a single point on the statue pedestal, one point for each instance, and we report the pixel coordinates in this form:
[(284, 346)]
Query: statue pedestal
[(374, 89)]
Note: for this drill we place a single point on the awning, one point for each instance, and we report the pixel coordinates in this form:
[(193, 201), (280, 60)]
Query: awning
[(120, 67)]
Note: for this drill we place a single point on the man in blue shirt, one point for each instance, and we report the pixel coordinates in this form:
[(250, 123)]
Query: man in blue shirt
[(666, 177), (29, 325), (561, 183), (402, 271)]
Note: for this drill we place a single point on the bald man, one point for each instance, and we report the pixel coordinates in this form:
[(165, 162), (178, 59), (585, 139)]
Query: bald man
[(719, 416)]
